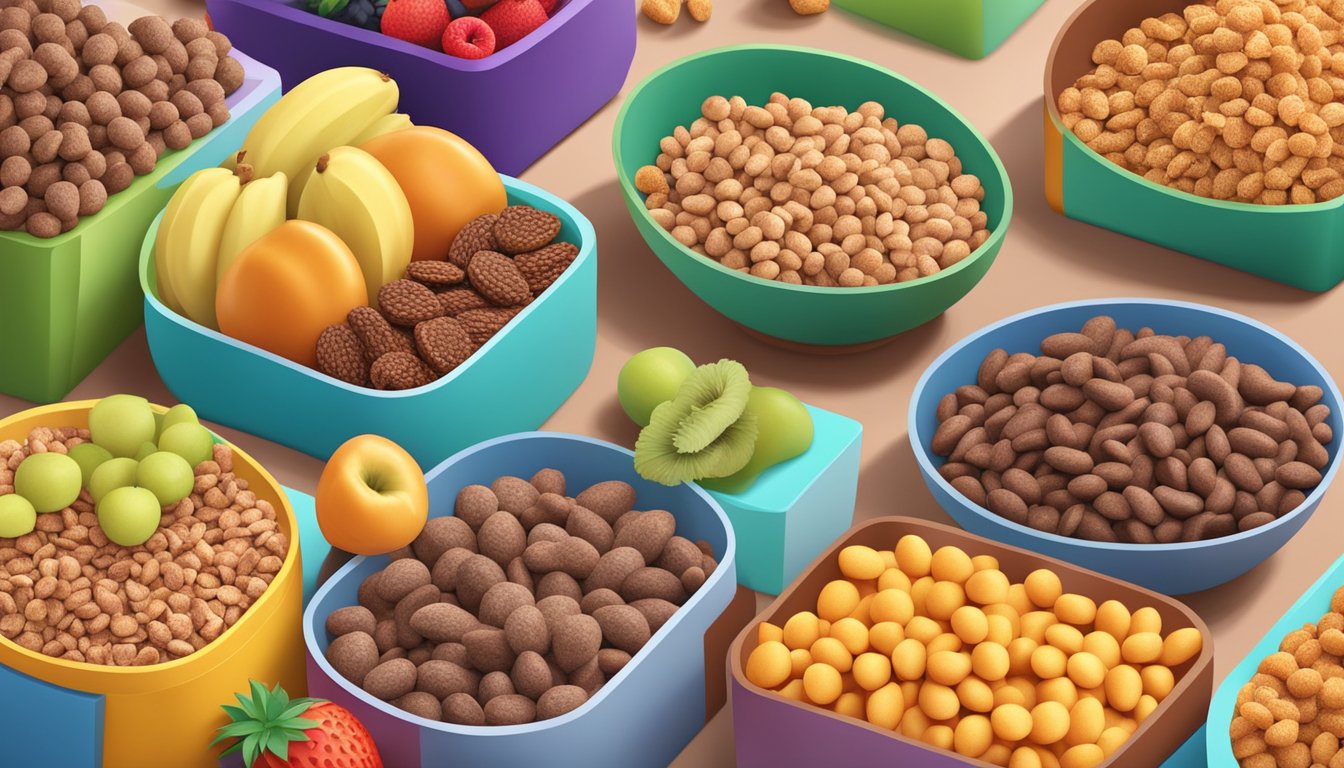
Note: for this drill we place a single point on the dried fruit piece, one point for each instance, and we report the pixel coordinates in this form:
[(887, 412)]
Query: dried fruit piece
[(375, 333), (341, 355), (479, 235), (497, 278), (662, 11), (481, 324), (435, 274), (408, 303), (543, 267), (400, 370), (705, 431), (700, 10), (443, 343), (458, 300), (522, 228)]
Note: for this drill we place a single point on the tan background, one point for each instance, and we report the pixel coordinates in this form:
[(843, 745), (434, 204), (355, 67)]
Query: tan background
[(1046, 259)]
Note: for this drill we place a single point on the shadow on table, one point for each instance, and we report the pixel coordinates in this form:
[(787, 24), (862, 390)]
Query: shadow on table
[(642, 304), (1106, 254)]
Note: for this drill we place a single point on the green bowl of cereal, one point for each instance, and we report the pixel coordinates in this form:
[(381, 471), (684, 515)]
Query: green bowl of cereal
[(891, 207)]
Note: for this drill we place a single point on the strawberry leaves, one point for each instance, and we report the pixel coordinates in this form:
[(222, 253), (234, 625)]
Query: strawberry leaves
[(265, 721)]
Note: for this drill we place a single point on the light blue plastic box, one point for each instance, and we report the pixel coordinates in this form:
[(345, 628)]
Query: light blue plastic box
[(797, 508), (644, 715), (514, 382)]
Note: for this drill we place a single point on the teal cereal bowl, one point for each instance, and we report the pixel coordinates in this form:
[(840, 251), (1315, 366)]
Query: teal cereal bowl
[(513, 383), (802, 314)]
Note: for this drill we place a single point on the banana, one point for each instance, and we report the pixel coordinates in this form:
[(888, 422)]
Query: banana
[(386, 124), (187, 248), (259, 209), (327, 110), (355, 196)]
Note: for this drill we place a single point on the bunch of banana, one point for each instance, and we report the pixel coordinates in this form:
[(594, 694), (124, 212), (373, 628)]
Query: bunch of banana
[(212, 217), (355, 196), (385, 124), (329, 109)]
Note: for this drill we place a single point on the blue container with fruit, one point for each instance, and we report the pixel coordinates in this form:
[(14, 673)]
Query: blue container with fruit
[(785, 473), (368, 277)]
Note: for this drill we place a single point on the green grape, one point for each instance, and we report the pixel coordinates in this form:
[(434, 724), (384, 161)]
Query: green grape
[(147, 449), (50, 481), (129, 515), (167, 475), (114, 474), (122, 423), (17, 516), (190, 441), (89, 456)]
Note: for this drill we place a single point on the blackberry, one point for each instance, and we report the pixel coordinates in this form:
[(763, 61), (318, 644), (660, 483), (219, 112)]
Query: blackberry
[(359, 13)]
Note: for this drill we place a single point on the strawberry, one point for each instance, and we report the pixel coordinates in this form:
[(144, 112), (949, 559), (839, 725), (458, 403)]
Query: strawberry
[(273, 732), (416, 21)]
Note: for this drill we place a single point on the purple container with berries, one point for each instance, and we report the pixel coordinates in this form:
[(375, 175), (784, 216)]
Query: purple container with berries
[(514, 105)]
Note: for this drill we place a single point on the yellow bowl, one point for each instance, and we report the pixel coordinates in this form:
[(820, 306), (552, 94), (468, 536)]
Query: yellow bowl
[(166, 714)]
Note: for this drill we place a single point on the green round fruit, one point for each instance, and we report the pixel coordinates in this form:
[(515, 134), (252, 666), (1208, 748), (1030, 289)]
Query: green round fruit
[(147, 449), (129, 516), (178, 414), (167, 475), (51, 481), (651, 378), (111, 475), (190, 441), (89, 456), (122, 423), (17, 516)]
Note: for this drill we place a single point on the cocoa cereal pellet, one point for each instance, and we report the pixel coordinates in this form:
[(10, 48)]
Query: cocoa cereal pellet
[(488, 645), (77, 84), (1131, 436)]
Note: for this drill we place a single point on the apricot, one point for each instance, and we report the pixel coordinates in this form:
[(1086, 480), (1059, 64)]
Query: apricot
[(283, 290), (447, 181)]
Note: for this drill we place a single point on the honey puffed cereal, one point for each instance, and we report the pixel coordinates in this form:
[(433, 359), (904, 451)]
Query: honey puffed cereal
[(946, 648), (1236, 100), (1291, 712), (815, 195)]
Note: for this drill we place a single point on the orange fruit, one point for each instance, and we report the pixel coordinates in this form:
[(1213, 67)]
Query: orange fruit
[(283, 290), (447, 181)]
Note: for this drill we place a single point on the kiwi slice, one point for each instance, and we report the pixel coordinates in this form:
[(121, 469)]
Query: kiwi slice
[(704, 431)]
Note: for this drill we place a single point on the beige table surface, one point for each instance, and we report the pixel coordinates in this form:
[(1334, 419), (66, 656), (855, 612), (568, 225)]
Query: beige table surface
[(1046, 259)]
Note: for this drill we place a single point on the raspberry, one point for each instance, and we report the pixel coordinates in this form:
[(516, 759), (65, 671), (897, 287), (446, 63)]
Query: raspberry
[(416, 21), (468, 38), (512, 20)]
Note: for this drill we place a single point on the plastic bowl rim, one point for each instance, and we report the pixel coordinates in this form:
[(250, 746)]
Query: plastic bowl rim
[(929, 470), (634, 198), (727, 564), (587, 247)]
